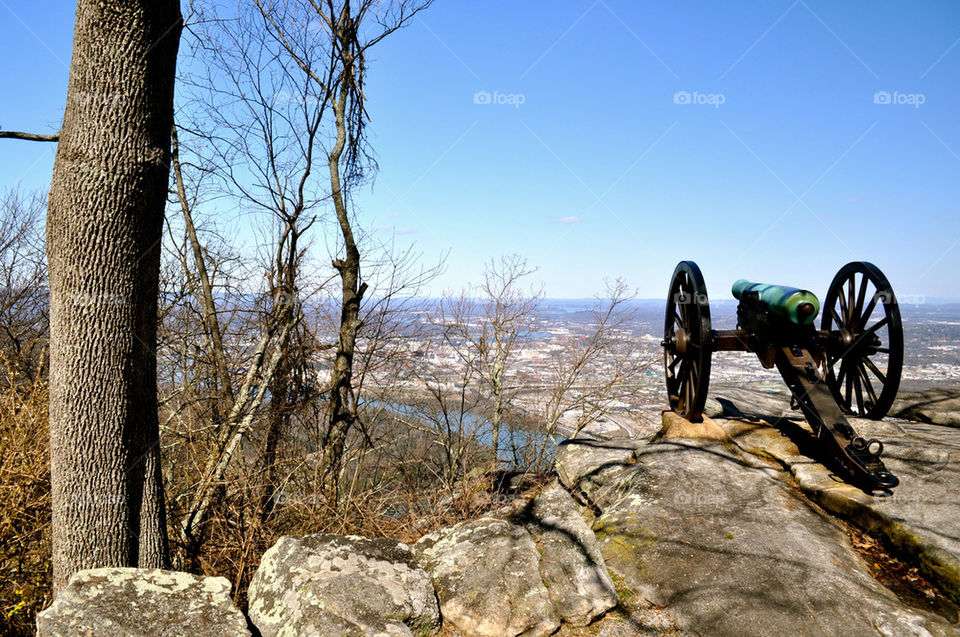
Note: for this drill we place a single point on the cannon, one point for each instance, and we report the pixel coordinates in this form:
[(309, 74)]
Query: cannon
[(850, 366)]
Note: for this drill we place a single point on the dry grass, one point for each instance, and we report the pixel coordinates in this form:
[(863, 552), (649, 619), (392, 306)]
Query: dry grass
[(25, 587), (396, 495)]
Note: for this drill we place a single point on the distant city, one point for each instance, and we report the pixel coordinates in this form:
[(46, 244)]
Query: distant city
[(931, 344)]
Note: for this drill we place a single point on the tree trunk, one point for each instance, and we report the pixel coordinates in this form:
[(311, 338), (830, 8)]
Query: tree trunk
[(104, 228), (343, 408)]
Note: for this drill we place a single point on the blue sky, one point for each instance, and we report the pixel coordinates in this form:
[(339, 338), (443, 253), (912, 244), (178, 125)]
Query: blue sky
[(769, 140)]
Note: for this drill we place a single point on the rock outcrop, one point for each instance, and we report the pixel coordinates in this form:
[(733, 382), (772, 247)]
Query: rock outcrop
[(718, 524), (731, 526), (324, 585), (129, 602)]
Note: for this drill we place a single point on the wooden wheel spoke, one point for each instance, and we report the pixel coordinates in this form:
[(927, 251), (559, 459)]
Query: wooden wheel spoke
[(673, 364), (836, 317), (876, 370), (859, 390), (862, 323), (848, 397), (867, 385), (850, 298), (876, 326), (843, 308), (861, 296)]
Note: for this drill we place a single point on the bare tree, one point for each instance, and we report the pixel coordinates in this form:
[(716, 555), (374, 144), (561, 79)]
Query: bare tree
[(347, 31), (484, 333), (236, 405), (281, 98), (24, 311), (490, 332), (592, 375)]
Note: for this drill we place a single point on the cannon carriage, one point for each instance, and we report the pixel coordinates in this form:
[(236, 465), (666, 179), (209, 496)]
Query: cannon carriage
[(851, 365)]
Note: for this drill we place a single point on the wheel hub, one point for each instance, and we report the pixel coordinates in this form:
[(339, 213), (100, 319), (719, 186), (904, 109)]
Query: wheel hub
[(680, 341)]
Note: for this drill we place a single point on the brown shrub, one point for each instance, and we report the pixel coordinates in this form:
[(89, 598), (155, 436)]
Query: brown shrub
[(25, 584)]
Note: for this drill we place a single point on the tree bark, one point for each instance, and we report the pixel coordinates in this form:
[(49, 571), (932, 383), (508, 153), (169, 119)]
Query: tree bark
[(104, 228)]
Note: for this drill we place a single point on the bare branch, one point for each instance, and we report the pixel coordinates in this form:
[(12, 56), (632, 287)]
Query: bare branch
[(30, 137)]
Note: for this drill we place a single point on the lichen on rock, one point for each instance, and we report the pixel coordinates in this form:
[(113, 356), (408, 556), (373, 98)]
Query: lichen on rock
[(142, 602), (341, 585)]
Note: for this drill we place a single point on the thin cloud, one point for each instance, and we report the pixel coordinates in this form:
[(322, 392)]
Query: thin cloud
[(567, 220), (394, 230)]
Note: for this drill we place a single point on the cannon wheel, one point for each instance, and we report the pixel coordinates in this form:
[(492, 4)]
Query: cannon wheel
[(865, 352), (686, 342)]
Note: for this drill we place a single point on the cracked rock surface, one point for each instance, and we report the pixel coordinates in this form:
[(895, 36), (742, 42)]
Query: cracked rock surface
[(726, 543)]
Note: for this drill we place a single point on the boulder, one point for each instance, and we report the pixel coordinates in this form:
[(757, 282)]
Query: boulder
[(128, 602), (324, 585), (487, 576), (571, 563)]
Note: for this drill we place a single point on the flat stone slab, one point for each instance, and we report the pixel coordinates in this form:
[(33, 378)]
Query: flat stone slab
[(921, 517), (133, 602), (729, 548), (938, 406)]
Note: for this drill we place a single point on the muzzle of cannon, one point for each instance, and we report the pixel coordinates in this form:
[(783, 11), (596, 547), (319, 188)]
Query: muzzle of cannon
[(850, 366)]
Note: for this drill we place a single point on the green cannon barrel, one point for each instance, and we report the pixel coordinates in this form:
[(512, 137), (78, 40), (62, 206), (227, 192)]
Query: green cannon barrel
[(797, 306)]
